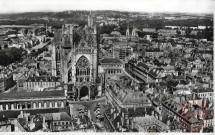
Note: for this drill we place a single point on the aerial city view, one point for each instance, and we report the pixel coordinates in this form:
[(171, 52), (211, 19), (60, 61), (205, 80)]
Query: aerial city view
[(106, 71)]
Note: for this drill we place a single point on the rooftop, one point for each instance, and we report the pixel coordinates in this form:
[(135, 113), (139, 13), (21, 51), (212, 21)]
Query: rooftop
[(150, 120), (43, 79), (28, 61), (60, 116), (202, 90), (33, 94), (110, 61), (143, 65), (155, 71)]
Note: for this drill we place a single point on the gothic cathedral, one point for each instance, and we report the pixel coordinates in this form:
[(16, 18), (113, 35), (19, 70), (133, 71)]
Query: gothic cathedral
[(75, 60)]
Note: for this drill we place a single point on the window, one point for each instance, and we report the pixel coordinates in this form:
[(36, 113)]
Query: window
[(67, 40), (82, 66)]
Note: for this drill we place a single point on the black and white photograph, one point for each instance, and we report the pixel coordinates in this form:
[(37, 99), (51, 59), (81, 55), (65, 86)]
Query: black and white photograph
[(107, 66)]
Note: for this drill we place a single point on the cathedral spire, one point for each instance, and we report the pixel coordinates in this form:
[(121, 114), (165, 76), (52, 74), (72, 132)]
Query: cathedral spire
[(90, 20)]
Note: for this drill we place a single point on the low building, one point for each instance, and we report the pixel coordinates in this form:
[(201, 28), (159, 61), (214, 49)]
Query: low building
[(193, 114), (137, 70), (204, 93), (41, 82), (121, 52), (111, 65), (30, 62), (5, 124), (154, 53), (149, 124), (143, 72), (59, 122), (31, 123), (6, 82), (32, 100), (125, 103)]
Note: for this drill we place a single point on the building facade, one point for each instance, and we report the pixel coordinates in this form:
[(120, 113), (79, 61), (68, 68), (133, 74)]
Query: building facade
[(111, 65), (77, 49), (39, 83)]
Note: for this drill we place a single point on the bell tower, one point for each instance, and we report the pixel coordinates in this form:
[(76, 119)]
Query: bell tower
[(67, 45), (90, 20), (79, 58)]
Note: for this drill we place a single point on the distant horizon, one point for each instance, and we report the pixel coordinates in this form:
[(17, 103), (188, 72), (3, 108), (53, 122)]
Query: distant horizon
[(142, 6), (51, 11)]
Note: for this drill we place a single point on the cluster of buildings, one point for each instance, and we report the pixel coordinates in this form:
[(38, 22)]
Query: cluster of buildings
[(145, 84), (166, 72), (21, 39)]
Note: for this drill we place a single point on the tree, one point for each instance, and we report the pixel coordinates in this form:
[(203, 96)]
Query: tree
[(178, 32), (5, 46), (107, 29), (188, 32), (26, 31), (10, 55)]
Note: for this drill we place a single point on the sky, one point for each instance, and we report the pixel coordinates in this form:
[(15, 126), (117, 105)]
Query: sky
[(181, 6)]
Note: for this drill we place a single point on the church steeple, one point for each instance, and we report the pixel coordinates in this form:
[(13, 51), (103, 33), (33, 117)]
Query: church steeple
[(128, 31), (90, 20)]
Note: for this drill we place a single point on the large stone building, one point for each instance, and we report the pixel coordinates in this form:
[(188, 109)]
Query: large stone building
[(32, 100), (74, 58), (111, 66), (39, 83)]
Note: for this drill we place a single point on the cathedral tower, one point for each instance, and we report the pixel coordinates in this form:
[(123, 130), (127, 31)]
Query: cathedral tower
[(79, 58)]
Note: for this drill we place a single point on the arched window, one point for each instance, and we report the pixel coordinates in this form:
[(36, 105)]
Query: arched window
[(82, 68), (70, 75)]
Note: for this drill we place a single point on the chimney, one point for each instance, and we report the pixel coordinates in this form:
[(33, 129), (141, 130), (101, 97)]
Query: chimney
[(168, 122), (122, 120), (120, 128), (123, 115), (118, 124), (89, 114), (153, 113), (111, 110), (114, 115), (78, 122), (194, 95), (44, 122), (132, 124), (71, 110), (21, 114), (160, 117)]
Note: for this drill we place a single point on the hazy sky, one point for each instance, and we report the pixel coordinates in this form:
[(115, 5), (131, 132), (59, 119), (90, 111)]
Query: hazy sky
[(189, 6)]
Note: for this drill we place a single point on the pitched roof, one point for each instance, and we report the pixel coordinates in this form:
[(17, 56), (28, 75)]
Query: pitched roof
[(143, 65), (203, 90), (110, 61), (61, 116), (43, 79), (28, 61), (155, 71), (153, 50), (33, 94)]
